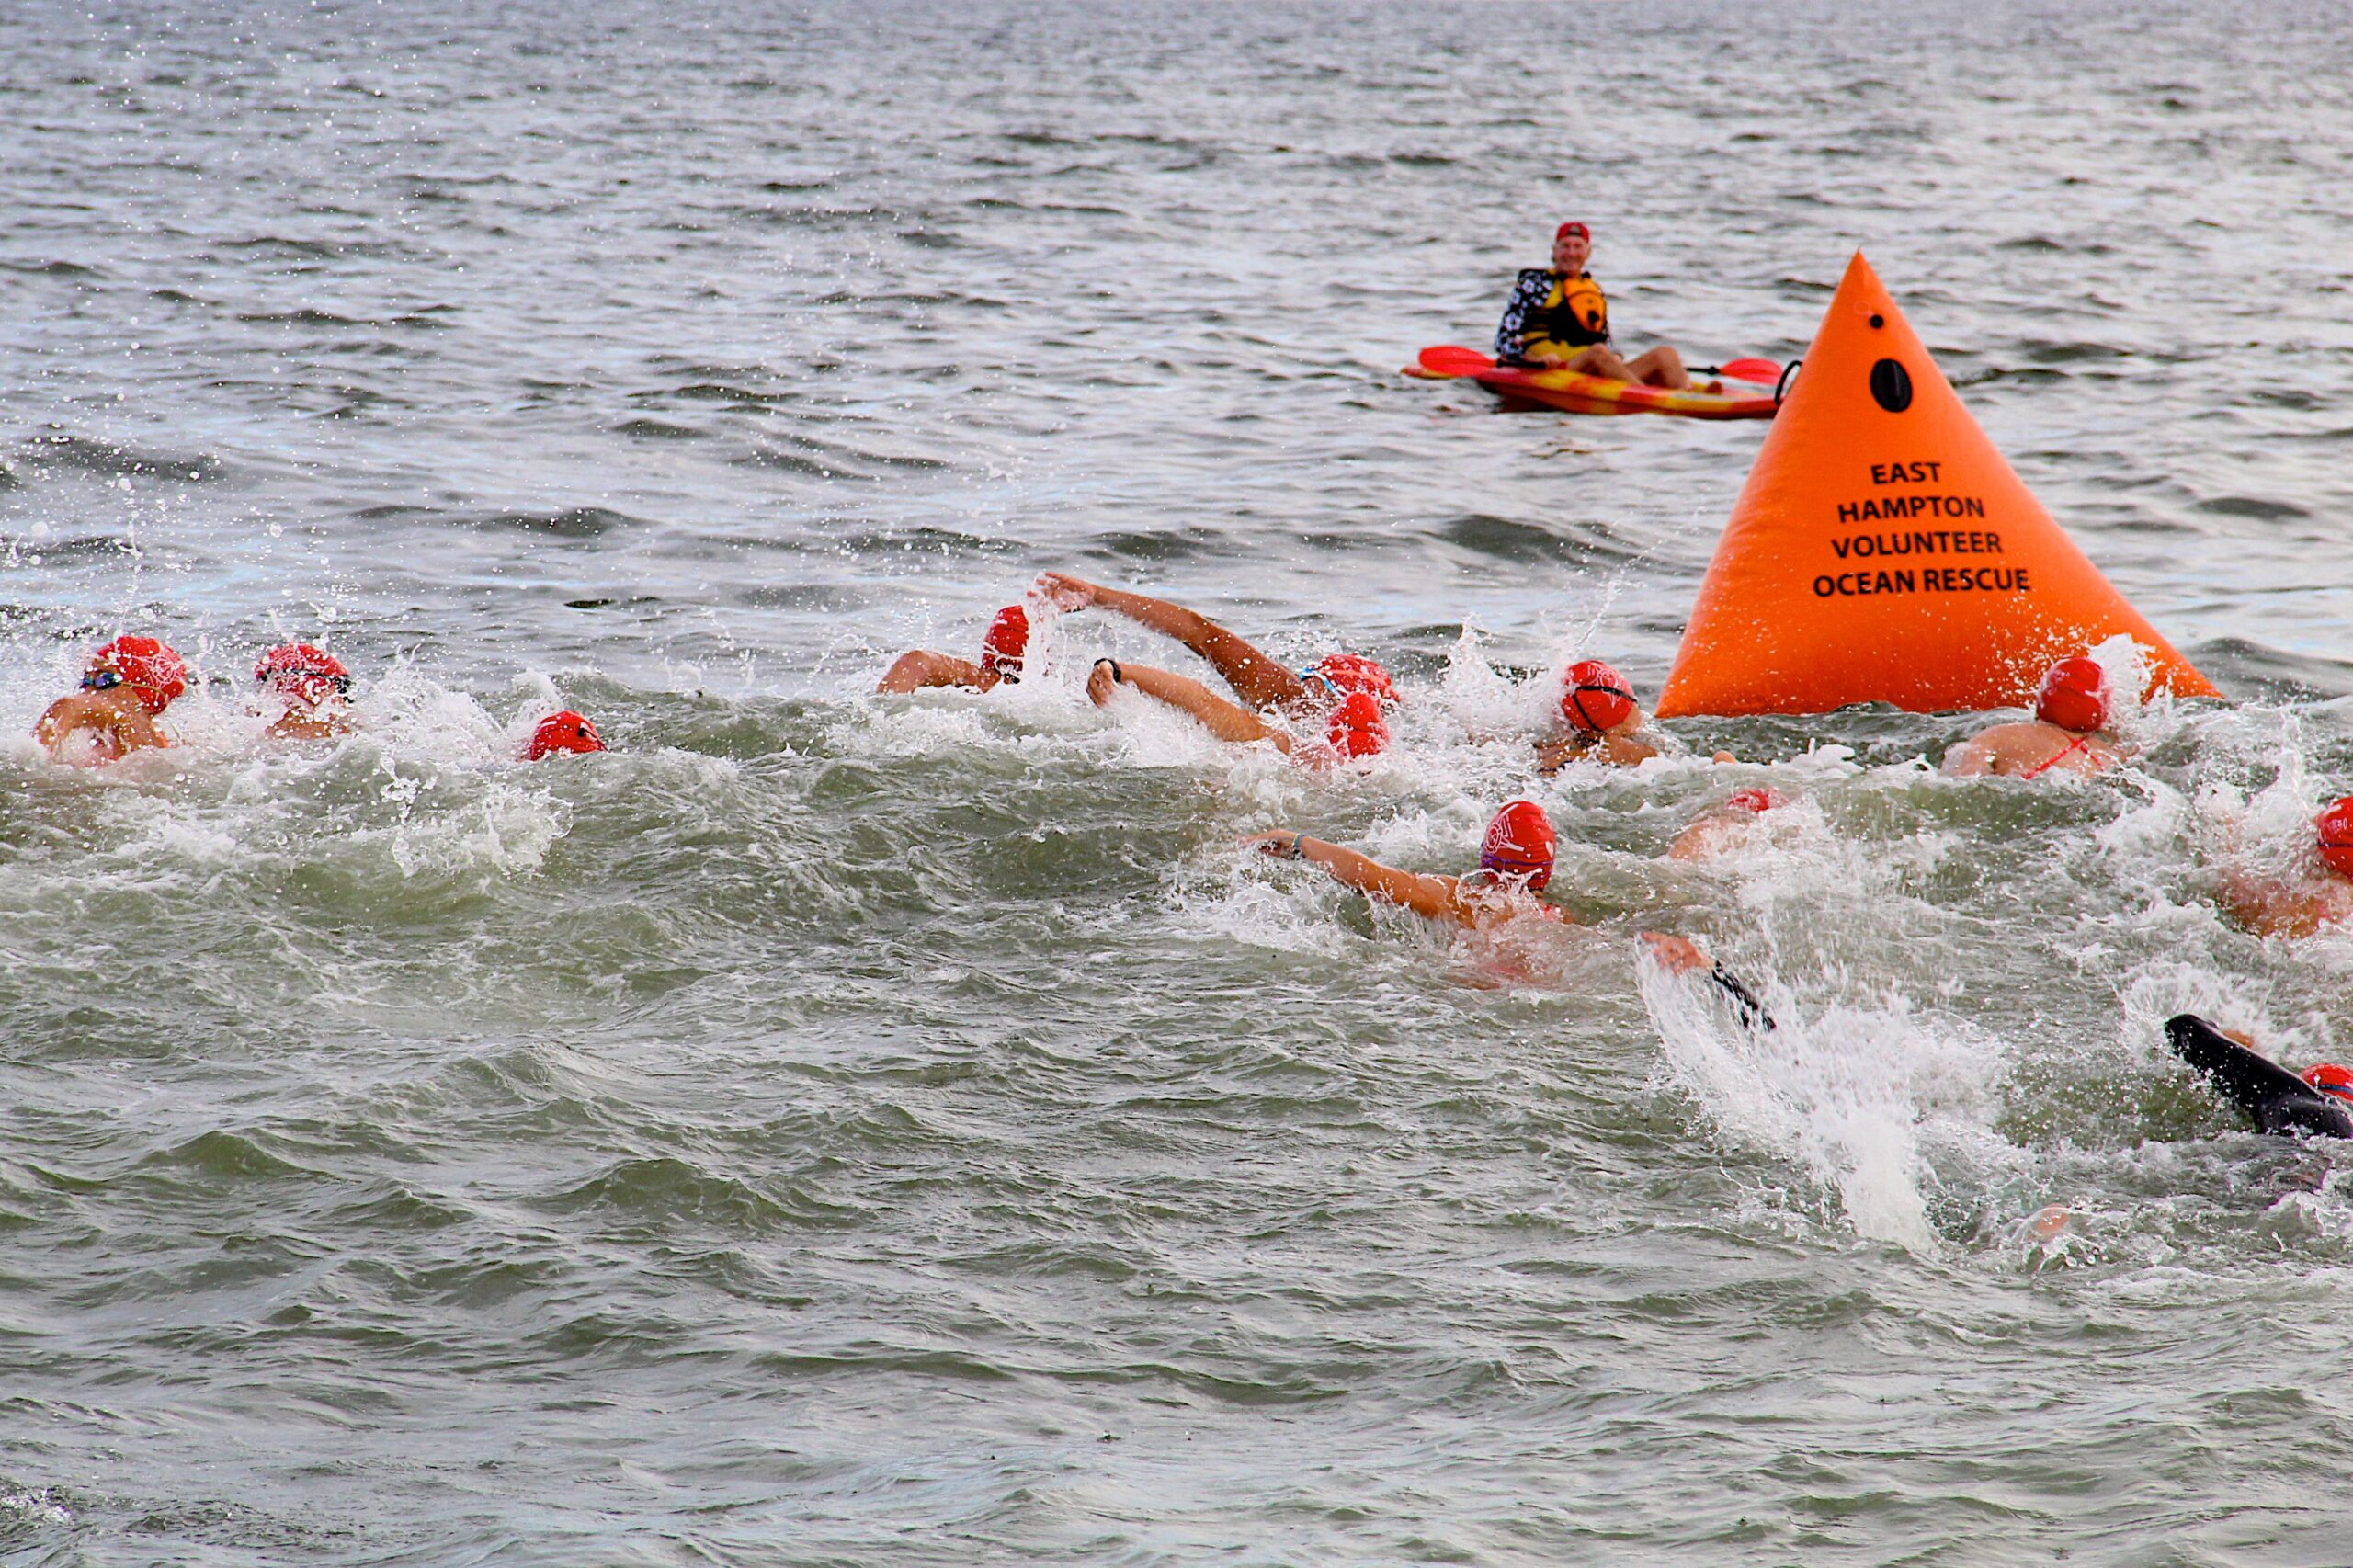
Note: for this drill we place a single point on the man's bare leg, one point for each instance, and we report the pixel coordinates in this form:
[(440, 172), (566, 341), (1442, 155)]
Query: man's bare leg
[(1258, 680), (1660, 366), (1598, 360), (1226, 720)]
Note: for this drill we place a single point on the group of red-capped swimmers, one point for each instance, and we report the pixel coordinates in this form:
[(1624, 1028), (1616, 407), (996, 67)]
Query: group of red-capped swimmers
[(1337, 709), (130, 683)]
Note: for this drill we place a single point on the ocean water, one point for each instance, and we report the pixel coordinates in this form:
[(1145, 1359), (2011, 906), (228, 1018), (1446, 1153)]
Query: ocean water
[(840, 1129)]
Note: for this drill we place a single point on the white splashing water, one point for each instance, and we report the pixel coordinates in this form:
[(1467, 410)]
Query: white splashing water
[(1859, 1097)]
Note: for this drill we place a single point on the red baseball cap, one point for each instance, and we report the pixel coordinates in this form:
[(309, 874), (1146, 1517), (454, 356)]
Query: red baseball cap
[(1573, 227)]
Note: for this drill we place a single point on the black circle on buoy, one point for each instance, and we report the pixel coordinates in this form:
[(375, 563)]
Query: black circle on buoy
[(1892, 386), (1879, 321)]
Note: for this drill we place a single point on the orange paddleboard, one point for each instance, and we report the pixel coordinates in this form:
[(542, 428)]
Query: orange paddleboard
[(1573, 391), (1882, 550)]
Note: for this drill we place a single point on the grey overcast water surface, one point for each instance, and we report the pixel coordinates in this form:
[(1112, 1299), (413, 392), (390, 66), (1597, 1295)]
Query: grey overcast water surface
[(832, 1130)]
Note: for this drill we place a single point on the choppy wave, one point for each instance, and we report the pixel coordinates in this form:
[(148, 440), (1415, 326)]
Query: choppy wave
[(874, 1130)]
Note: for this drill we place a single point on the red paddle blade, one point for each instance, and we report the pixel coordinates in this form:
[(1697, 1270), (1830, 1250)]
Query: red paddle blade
[(1764, 372), (1446, 360)]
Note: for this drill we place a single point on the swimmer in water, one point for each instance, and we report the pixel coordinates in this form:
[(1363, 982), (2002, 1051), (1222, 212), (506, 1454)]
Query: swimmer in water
[(1261, 682), (2317, 1101), (2317, 894), (1355, 727), (1726, 827), (125, 686), (2067, 734), (1558, 319), (1600, 721), (312, 684), (1514, 862), (1003, 648), (564, 731)]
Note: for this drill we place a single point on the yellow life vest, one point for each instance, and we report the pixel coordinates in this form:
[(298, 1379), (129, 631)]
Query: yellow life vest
[(1575, 313)]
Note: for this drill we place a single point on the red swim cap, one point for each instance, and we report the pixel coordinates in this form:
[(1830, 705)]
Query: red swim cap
[(1347, 673), (2335, 827), (1520, 843), (303, 670), (2330, 1079), (567, 730), (2074, 695), (1565, 230), (148, 666), (1762, 797), (1006, 642), (1595, 699), (1357, 728)]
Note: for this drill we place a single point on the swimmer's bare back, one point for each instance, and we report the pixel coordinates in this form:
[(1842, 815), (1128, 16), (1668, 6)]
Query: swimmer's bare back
[(90, 729), (2029, 750)]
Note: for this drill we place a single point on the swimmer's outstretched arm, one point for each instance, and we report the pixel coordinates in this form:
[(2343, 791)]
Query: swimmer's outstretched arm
[(1680, 955), (920, 667), (1226, 720), (1431, 896), (1256, 678)]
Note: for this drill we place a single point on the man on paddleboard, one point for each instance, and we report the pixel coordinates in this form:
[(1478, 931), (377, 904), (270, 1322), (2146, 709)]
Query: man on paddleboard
[(1559, 319)]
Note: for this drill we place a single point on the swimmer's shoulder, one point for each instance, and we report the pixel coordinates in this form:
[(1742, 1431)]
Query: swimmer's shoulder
[(2017, 750)]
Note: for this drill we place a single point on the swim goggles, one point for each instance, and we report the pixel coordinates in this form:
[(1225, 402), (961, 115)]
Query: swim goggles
[(101, 680), (340, 685)]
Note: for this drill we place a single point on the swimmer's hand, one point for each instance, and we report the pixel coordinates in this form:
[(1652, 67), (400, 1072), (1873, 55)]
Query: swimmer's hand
[(1284, 845), (1678, 955), (1064, 591)]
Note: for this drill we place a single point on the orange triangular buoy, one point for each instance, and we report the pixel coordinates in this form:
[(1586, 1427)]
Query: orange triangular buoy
[(1883, 552)]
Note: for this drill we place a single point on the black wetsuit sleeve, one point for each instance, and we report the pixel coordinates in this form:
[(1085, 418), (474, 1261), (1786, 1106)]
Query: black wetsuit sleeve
[(2276, 1099), (1528, 294)]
